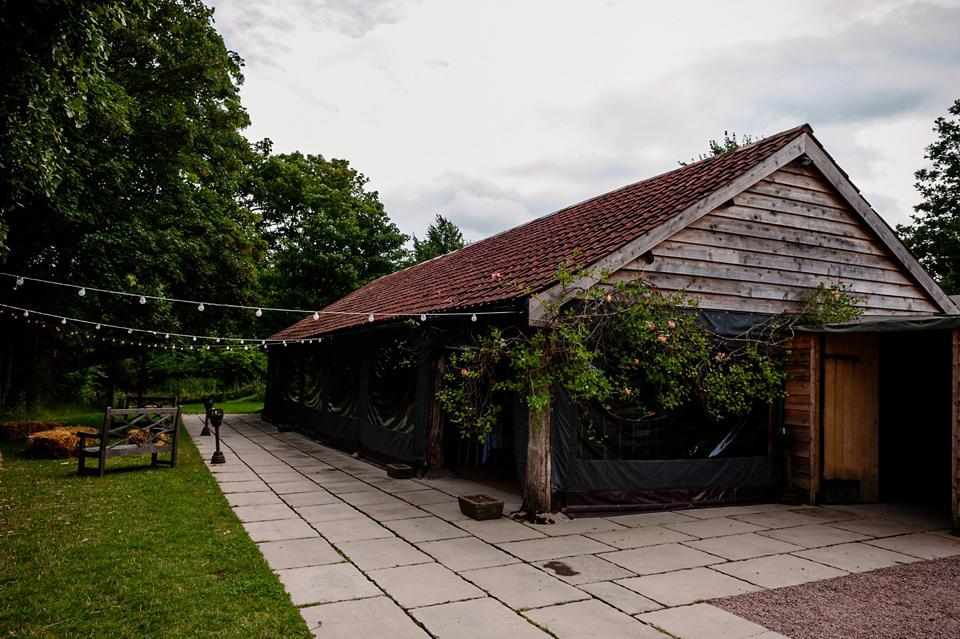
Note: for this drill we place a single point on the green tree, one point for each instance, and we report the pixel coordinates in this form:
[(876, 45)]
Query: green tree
[(149, 199), (326, 234), (54, 54), (934, 234), (443, 237)]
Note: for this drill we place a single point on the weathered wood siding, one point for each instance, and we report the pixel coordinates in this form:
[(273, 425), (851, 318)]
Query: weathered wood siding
[(780, 238), (801, 410)]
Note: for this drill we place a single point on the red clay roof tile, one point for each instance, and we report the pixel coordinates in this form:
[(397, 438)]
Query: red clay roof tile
[(529, 255)]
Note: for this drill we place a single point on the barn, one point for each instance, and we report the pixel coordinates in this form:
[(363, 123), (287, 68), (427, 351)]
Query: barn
[(870, 412)]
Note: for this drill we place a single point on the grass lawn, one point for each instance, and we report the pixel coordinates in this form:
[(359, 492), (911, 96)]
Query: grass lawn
[(142, 552)]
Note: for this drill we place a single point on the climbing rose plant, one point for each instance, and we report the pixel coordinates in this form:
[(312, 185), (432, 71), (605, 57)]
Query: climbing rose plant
[(623, 340)]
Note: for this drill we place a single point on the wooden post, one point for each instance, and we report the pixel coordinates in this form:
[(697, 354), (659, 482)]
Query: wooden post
[(435, 416), (955, 430), (538, 491)]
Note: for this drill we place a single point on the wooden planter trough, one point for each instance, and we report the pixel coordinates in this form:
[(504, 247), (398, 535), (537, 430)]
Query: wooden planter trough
[(480, 507)]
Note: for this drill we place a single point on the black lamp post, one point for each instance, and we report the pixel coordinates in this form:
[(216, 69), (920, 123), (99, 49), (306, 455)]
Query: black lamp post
[(208, 405), (216, 418)]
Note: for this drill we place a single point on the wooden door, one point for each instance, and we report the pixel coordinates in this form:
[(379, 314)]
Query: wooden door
[(850, 433)]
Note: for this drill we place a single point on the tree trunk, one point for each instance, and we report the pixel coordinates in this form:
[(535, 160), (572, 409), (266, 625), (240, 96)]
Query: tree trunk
[(538, 491), (436, 417)]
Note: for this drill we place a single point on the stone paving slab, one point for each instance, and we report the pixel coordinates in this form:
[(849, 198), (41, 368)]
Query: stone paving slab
[(326, 584), (298, 486), (580, 526), (354, 529), (279, 530), (373, 617), (687, 586), (657, 518), (386, 512), (449, 510), (714, 527), (265, 512), (922, 545), (856, 557), (253, 499), (328, 512), (299, 553), (591, 619), (280, 477), (583, 569), (372, 496), (815, 536), (778, 519), (475, 619), (340, 487), (879, 527), (466, 553), (425, 529), (522, 586), (719, 511), (620, 598), (243, 486), (638, 537), (317, 497), (703, 621), (553, 547), (497, 531), (424, 585), (746, 546), (653, 559), (779, 571), (371, 554), (426, 496)]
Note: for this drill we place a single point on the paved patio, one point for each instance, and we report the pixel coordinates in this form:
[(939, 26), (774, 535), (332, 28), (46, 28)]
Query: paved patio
[(362, 554)]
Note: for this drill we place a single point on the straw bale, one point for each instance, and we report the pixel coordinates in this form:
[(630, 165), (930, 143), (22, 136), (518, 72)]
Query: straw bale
[(16, 430), (59, 443), (141, 437)]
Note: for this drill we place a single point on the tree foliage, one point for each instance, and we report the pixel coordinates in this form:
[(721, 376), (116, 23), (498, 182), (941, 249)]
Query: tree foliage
[(443, 236), (934, 233), (148, 200), (326, 234)]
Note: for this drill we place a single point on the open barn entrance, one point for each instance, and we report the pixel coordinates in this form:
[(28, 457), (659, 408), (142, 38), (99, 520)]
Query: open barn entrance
[(492, 462), (915, 417)]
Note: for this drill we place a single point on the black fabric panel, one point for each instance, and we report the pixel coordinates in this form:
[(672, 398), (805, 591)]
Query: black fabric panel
[(889, 325), (586, 475), (627, 501)]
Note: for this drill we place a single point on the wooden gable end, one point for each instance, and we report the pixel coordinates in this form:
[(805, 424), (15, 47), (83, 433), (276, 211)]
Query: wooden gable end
[(764, 250)]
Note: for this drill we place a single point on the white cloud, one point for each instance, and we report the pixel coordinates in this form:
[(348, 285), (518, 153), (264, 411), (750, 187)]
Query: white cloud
[(491, 113)]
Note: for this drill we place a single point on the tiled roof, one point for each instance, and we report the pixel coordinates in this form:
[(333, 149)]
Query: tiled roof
[(530, 254)]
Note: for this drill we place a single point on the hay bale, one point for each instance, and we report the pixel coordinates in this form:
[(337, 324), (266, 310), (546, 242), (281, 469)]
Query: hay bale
[(58, 443), (141, 437), (16, 430)]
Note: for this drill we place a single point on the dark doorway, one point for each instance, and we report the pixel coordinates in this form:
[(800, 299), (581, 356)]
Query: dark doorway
[(914, 419)]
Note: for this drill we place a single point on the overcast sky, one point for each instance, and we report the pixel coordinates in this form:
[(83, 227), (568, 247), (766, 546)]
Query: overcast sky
[(492, 113)]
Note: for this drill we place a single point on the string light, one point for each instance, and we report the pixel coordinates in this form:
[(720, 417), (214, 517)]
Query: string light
[(316, 316), (473, 318), (200, 308), (258, 313), (143, 300), (82, 292), (423, 317), (370, 317), (19, 281)]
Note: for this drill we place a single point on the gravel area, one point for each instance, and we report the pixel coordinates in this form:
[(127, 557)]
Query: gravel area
[(910, 601)]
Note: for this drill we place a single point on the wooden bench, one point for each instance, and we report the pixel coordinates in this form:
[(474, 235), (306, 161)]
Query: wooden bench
[(132, 431)]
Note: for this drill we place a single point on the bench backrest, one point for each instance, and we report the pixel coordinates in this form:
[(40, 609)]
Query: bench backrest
[(140, 425)]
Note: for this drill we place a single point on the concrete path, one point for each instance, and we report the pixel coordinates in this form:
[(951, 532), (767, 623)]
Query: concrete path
[(365, 555)]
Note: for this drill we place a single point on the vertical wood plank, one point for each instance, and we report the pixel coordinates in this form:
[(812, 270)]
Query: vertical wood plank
[(955, 425)]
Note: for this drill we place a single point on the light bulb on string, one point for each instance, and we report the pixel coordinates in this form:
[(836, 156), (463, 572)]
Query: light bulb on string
[(316, 316), (143, 300), (200, 308), (97, 327), (19, 281), (423, 317), (129, 331), (194, 338), (26, 313), (258, 313), (218, 340), (473, 318), (63, 321), (82, 292), (370, 317), (167, 336)]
